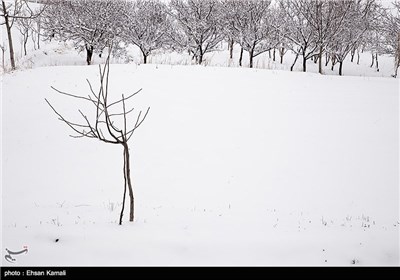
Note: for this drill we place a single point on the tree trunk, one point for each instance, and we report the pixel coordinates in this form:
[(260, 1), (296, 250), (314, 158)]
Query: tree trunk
[(231, 49), (25, 42), (124, 196), (144, 57), (358, 57), (273, 55), (397, 59), (333, 63), (340, 68), (353, 52), (10, 42), (38, 36), (2, 59), (282, 53), (373, 60), (294, 62), (377, 62), (327, 59), (251, 57), (241, 57), (128, 182), (269, 54), (34, 41), (200, 61), (304, 63), (320, 60), (89, 54)]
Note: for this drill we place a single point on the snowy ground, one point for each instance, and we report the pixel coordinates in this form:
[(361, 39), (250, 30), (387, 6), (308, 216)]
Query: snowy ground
[(232, 167), (60, 54)]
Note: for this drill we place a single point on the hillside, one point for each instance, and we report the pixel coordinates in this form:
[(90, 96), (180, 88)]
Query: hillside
[(231, 167)]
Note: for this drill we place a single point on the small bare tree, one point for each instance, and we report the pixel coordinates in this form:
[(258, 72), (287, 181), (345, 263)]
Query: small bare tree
[(24, 26), (104, 125)]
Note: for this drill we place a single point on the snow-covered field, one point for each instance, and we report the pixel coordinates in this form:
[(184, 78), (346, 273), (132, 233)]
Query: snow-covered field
[(231, 167)]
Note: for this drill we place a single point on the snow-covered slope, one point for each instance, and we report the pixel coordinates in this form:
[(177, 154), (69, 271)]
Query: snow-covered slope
[(231, 167)]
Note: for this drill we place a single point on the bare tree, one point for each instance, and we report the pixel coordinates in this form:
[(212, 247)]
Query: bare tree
[(326, 18), (89, 24), (361, 15), (9, 12), (36, 31), (198, 23), (227, 26), (375, 41), (395, 23), (146, 25), (103, 125), (250, 26), (24, 26), (299, 32), (278, 22), (312, 25), (391, 33)]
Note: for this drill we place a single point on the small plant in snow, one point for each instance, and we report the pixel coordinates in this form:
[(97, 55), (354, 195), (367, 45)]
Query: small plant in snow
[(111, 206), (61, 204), (56, 222), (325, 223)]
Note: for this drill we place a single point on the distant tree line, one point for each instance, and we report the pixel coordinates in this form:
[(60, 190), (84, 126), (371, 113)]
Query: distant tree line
[(324, 31)]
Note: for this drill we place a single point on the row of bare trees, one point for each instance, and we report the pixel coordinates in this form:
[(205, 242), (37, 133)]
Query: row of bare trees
[(311, 29)]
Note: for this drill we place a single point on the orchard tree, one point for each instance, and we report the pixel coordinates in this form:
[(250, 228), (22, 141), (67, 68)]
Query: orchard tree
[(146, 25), (227, 26), (277, 39), (375, 41), (299, 31), (360, 18), (391, 31), (312, 25), (280, 24), (326, 19), (90, 24), (198, 26), (250, 25)]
